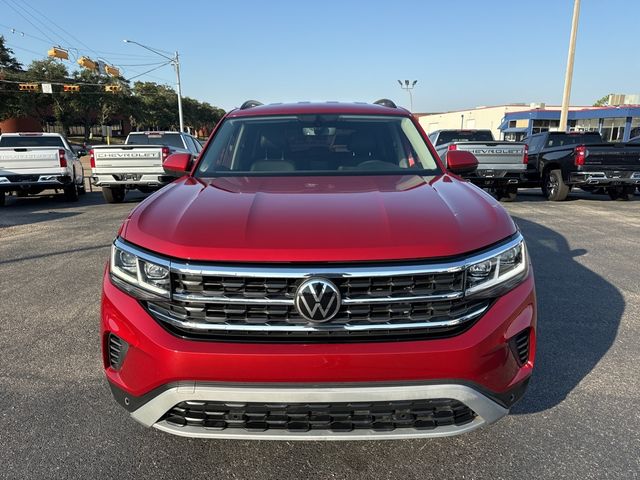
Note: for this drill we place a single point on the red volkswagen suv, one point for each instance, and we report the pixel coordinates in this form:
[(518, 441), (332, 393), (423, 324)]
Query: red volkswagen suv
[(317, 273)]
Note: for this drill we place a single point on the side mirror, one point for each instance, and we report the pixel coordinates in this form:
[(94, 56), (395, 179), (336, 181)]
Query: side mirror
[(459, 161), (81, 153), (178, 163)]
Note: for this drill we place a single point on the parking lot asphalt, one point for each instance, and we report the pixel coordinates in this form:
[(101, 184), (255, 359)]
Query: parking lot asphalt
[(579, 419)]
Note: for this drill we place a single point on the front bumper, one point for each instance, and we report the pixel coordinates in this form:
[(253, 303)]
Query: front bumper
[(605, 178), (477, 368)]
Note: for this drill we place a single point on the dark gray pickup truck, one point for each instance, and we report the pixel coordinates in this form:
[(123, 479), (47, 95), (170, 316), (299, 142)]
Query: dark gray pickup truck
[(559, 161)]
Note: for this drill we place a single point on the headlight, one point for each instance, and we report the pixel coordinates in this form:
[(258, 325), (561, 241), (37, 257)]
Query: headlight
[(138, 272), (502, 271)]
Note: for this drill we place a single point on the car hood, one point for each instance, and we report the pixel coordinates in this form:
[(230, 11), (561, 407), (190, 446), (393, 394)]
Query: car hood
[(317, 219)]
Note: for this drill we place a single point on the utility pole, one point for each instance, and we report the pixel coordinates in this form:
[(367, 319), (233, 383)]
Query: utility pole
[(175, 61), (566, 95), (408, 86)]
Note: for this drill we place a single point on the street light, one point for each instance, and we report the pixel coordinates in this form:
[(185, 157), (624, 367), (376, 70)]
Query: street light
[(568, 78), (175, 61), (408, 86)]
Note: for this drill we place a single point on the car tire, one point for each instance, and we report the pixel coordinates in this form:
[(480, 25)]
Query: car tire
[(553, 186), (113, 194), (71, 192), (2, 197), (621, 193), (81, 188)]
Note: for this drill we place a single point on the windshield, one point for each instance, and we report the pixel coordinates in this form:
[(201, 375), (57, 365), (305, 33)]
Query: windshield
[(449, 136), (166, 139), (30, 141), (317, 145)]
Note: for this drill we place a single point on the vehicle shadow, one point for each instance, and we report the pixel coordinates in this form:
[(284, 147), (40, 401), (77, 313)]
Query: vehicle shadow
[(578, 317), (50, 207), (535, 195)]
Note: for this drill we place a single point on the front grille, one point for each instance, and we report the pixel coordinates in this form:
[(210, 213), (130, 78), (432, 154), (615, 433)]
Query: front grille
[(261, 288), (116, 351), (229, 304), (333, 417), (520, 345)]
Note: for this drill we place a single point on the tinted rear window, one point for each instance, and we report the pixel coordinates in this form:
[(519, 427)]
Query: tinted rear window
[(166, 139), (573, 139), (30, 141), (465, 136)]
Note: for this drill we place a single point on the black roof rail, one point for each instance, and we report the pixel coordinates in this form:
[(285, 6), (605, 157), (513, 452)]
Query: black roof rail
[(385, 102), (250, 104)]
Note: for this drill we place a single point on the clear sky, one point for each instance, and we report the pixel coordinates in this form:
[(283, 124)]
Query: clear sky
[(464, 53)]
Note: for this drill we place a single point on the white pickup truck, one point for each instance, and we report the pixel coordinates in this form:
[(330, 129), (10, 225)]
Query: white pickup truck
[(33, 162), (501, 165), (138, 163)]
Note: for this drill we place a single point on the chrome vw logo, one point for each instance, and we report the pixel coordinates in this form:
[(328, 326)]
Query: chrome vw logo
[(317, 300)]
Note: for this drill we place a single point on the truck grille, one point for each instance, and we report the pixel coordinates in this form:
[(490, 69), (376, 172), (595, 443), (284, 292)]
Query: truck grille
[(259, 305), (334, 417)]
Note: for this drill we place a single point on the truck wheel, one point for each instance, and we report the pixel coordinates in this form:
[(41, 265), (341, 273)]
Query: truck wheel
[(1, 199), (71, 192), (113, 194), (507, 194), (554, 187), (621, 193), (81, 188)]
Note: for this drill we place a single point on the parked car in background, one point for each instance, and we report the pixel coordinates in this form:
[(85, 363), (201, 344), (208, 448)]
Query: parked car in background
[(318, 274), (501, 165), (33, 162), (138, 163), (559, 161)]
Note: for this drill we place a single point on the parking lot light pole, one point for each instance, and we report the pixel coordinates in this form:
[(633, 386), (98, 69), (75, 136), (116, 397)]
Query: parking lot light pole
[(408, 86), (175, 61), (566, 95)]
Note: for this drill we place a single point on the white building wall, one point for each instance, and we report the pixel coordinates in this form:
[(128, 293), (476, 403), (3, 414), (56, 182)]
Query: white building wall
[(480, 118)]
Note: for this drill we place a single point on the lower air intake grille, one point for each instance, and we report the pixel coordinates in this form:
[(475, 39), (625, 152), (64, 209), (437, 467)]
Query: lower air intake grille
[(520, 345), (334, 417), (117, 349)]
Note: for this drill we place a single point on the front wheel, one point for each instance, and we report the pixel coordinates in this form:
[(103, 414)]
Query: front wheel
[(553, 186), (621, 193), (113, 194), (2, 196)]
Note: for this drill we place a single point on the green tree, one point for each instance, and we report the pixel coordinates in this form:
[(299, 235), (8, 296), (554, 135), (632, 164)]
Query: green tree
[(52, 107), (602, 101), (10, 68)]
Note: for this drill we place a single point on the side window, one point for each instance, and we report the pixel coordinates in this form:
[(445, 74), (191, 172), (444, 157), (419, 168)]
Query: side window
[(196, 144), (432, 138), (190, 144), (535, 143)]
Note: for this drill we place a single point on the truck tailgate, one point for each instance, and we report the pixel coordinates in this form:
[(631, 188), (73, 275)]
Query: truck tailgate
[(496, 155), (616, 156), (129, 159), (25, 161)]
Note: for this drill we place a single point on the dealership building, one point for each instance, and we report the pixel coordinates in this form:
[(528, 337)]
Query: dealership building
[(617, 122)]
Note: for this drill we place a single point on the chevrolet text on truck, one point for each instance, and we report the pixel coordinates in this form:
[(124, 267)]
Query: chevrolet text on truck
[(138, 163), (317, 274), (501, 165), (33, 162)]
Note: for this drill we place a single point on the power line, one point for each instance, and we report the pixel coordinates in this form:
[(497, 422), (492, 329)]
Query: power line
[(70, 35), (43, 24), (29, 21), (148, 71), (22, 48)]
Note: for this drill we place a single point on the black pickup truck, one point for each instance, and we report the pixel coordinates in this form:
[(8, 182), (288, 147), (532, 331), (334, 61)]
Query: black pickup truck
[(559, 161)]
